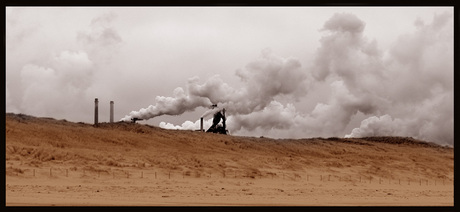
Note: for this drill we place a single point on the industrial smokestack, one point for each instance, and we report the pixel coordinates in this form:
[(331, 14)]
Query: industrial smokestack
[(201, 124), (111, 111), (95, 111), (223, 119)]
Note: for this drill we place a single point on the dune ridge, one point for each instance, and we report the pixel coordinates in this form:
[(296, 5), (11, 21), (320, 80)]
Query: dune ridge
[(33, 142)]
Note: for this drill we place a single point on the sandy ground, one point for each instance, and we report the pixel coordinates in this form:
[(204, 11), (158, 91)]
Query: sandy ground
[(150, 188), (55, 162)]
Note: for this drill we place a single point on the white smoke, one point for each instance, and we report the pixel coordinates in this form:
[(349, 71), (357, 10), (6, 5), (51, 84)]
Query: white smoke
[(274, 115), (263, 80), (406, 90), (181, 102), (432, 121), (187, 125), (267, 77), (413, 86), (55, 74), (64, 80), (101, 36), (379, 126)]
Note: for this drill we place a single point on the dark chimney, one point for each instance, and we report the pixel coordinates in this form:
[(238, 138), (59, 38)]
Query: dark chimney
[(201, 124), (111, 111), (95, 111)]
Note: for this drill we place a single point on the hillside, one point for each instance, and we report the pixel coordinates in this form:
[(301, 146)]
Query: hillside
[(44, 142)]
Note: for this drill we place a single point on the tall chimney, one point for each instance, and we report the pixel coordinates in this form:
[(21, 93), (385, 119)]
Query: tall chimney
[(201, 124), (223, 119), (111, 111), (95, 111)]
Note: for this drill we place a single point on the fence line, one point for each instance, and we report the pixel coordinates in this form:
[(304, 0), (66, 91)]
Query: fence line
[(173, 174)]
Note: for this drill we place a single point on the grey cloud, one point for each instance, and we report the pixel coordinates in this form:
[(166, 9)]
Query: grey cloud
[(344, 22), (417, 77), (102, 40)]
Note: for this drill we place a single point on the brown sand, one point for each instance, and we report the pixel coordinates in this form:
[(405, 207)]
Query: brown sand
[(55, 162)]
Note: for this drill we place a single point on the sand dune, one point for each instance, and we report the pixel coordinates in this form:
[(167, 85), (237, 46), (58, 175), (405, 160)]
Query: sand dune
[(56, 162)]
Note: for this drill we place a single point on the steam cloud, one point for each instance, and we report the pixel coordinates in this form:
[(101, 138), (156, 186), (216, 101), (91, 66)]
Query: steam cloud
[(405, 91), (54, 84), (263, 80)]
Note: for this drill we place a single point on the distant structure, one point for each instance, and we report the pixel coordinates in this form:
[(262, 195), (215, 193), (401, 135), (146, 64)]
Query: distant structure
[(111, 111), (216, 127), (201, 125), (95, 111), (133, 120)]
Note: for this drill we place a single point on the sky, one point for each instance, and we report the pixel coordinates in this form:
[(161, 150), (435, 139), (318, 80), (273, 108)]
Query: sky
[(281, 72)]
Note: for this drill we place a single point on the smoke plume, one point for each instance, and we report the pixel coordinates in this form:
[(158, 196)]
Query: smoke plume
[(59, 80), (405, 91), (411, 89), (59, 60), (263, 79)]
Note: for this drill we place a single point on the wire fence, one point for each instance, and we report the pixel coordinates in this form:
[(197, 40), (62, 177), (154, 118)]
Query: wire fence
[(54, 172)]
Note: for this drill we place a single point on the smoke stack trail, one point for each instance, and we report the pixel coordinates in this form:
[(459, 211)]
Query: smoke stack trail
[(264, 79), (111, 111), (95, 111), (201, 124), (405, 90)]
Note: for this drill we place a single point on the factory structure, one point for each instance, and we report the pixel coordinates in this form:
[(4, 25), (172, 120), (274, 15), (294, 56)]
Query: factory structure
[(216, 127), (96, 111)]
